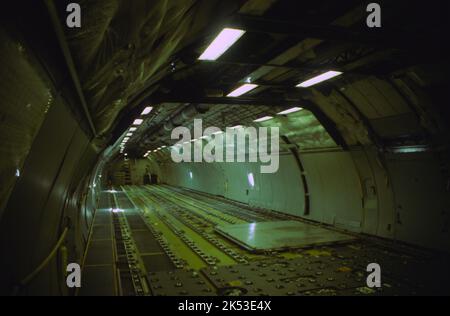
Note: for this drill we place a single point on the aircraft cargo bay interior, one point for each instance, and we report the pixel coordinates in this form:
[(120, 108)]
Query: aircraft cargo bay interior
[(224, 148)]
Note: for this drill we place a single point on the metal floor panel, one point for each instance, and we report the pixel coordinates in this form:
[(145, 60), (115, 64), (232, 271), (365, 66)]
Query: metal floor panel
[(105, 200), (157, 262), (183, 283), (297, 276), (102, 232), (98, 281), (145, 242), (279, 235), (100, 252), (135, 222), (123, 202), (102, 217)]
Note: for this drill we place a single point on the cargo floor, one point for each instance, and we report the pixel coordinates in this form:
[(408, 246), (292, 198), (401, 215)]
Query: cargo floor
[(166, 241)]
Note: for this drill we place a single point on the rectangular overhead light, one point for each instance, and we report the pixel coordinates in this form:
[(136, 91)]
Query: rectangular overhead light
[(264, 118), (226, 38), (246, 87), (291, 110), (147, 110), (125, 139), (132, 129), (325, 76), (138, 122), (409, 149), (129, 134)]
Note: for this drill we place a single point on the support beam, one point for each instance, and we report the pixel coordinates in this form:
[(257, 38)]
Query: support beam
[(327, 123), (275, 66), (372, 37), (221, 100)]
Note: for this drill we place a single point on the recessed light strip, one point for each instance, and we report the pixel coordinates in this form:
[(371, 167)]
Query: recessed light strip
[(289, 111), (264, 118), (317, 79), (246, 87), (226, 38)]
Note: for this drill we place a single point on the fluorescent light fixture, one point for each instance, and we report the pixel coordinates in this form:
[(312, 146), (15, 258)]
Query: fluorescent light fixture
[(246, 87), (291, 110), (236, 127), (147, 110), (129, 134), (125, 139), (226, 38), (126, 154), (264, 118), (138, 122), (325, 76), (132, 129), (163, 146), (409, 149), (251, 180), (190, 174), (155, 150)]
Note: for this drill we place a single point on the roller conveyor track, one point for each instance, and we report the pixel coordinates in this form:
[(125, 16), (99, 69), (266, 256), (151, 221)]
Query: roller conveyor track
[(183, 228), (185, 217), (198, 245), (198, 205), (247, 215)]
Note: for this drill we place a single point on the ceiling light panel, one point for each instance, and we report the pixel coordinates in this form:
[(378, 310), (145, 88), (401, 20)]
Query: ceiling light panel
[(138, 122), (242, 90), (264, 118), (320, 78), (226, 38), (147, 110), (289, 111)]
